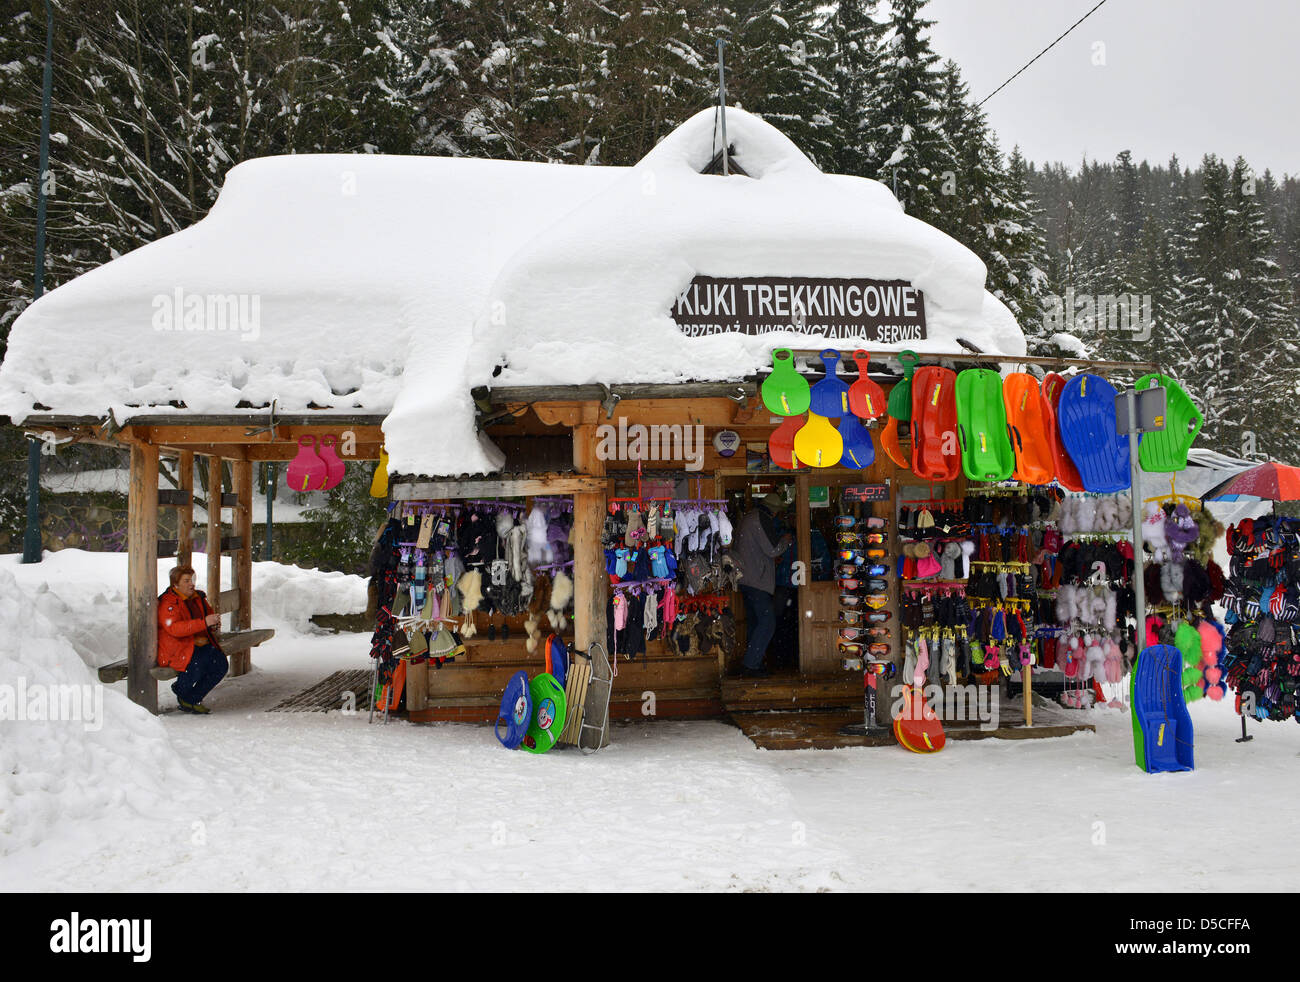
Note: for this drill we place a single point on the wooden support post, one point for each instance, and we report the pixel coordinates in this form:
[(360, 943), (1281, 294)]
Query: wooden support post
[(185, 514), (142, 576), (417, 686), (242, 472), (589, 579), (212, 586)]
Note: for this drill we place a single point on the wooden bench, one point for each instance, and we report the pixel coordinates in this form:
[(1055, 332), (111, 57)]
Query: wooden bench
[(230, 644)]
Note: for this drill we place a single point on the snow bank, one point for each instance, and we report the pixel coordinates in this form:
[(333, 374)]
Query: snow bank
[(335, 263), (112, 763)]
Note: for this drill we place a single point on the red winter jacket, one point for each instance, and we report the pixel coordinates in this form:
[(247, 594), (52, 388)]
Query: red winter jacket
[(180, 623)]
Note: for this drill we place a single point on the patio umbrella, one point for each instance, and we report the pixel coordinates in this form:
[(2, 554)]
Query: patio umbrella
[(1278, 482)]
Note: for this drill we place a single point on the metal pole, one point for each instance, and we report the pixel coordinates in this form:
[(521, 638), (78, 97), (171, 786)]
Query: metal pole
[(1135, 494), (32, 536), (722, 104), (271, 477)]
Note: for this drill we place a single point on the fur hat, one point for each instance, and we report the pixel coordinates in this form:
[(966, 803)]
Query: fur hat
[(1108, 613), (1069, 522), (1153, 532), (951, 557), (1107, 514), (1171, 580), (1123, 511), (1114, 661), (561, 594), (1094, 659), (1086, 514), (967, 552), (1065, 608)]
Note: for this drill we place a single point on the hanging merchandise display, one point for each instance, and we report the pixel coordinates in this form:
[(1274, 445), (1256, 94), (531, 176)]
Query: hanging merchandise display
[(1028, 427), (334, 468), (306, 472), (1166, 450), (935, 455), (1067, 475), (986, 453), (858, 451), (780, 445), (785, 392), (1261, 663), (830, 396), (818, 444), (866, 398), (1086, 418), (895, 438)]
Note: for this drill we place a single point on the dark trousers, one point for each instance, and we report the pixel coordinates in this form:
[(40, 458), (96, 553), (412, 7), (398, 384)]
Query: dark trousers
[(760, 623), (207, 667)]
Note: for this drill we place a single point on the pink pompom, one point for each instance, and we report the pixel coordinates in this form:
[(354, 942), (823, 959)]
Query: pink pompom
[(1216, 692), (1211, 639), (1212, 675)]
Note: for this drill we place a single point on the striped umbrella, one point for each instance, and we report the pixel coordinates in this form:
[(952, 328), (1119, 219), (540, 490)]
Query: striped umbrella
[(1278, 482)]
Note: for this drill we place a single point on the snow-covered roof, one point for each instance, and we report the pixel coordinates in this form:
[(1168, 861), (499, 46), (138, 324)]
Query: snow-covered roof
[(395, 285)]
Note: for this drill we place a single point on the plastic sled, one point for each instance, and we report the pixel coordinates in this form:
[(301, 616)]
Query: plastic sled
[(557, 659), (917, 727), (830, 396), (900, 396), (934, 424), (1029, 440), (1086, 417), (1162, 728), (516, 712), (379, 482), (306, 472), (785, 392), (866, 398), (986, 453), (1166, 450), (335, 469), (1067, 475), (780, 445), (595, 709), (549, 712), (818, 444), (893, 446), (859, 452)]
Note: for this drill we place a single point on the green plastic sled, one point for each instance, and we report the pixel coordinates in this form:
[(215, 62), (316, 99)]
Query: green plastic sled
[(986, 452), (785, 392), (1166, 450), (900, 396)]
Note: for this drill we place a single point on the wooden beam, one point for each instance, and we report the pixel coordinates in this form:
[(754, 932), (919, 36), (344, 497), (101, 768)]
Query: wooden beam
[(739, 390), (242, 472), (185, 517), (142, 576), (509, 488), (195, 433), (590, 582), (213, 584)]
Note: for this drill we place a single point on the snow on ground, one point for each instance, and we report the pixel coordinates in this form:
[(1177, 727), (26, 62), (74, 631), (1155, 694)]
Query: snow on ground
[(270, 801)]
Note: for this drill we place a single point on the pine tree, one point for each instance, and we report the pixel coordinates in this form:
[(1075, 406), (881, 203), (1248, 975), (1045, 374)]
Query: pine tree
[(856, 37), (909, 128)]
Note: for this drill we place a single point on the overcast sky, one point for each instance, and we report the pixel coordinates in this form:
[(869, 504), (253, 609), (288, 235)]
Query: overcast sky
[(1178, 76)]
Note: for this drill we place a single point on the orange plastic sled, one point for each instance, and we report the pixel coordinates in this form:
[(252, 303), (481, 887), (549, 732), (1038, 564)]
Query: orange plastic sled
[(934, 424), (893, 447), (1029, 429), (1067, 474)]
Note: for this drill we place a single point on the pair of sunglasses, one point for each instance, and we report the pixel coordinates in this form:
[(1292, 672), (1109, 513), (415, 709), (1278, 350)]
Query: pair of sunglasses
[(885, 669), (851, 664), (875, 538), (845, 521), (852, 650), (852, 633), (850, 599), (850, 584), (847, 538), (850, 556), (877, 601), (851, 617), (879, 650), (878, 570), (875, 553), (876, 523)]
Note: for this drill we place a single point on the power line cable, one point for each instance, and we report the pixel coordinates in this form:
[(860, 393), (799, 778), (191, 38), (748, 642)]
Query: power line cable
[(1040, 54)]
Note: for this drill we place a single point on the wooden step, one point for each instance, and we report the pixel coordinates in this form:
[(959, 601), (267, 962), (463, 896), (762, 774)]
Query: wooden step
[(486, 682), (792, 692), (680, 703)]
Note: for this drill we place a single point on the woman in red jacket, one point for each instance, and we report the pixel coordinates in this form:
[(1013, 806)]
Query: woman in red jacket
[(186, 642)]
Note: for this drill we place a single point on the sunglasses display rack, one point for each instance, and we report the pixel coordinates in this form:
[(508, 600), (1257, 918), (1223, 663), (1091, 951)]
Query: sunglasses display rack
[(862, 571)]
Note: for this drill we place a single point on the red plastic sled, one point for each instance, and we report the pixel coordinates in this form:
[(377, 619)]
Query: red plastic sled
[(1067, 475), (934, 424)]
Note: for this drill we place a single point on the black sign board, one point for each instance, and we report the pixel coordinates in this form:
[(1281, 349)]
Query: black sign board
[(865, 492), (879, 311)]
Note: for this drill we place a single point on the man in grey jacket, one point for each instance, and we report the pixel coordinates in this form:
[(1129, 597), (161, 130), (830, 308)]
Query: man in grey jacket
[(757, 553)]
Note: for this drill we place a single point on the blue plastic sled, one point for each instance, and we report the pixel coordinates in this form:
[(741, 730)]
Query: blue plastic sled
[(1162, 727), (516, 711), (1086, 417)]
